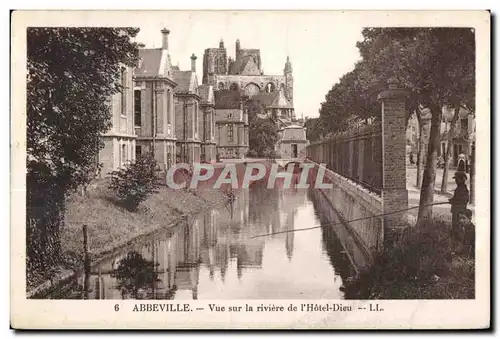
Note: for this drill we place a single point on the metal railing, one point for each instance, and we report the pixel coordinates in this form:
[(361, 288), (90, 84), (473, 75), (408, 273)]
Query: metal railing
[(355, 154)]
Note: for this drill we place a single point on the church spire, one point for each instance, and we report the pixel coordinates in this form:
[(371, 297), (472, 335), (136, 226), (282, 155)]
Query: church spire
[(288, 65)]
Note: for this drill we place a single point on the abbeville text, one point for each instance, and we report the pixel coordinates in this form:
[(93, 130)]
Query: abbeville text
[(161, 308)]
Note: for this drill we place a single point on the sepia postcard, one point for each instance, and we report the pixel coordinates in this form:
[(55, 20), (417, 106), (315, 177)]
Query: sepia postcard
[(250, 170)]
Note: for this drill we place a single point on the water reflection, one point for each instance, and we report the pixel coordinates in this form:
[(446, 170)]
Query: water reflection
[(214, 256), (134, 274)]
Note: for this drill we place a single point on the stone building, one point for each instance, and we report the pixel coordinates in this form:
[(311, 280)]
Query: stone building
[(207, 106), (292, 142), (231, 120), (164, 111), (244, 72), (461, 141), (154, 104), (463, 137), (120, 140), (187, 114)]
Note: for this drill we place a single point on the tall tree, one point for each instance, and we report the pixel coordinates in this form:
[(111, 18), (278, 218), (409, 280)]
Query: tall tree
[(423, 118), (437, 65), (253, 107), (449, 138), (352, 99), (262, 136), (72, 72), (314, 129)]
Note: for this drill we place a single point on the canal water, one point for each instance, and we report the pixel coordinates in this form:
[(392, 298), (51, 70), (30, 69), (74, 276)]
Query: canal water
[(232, 253)]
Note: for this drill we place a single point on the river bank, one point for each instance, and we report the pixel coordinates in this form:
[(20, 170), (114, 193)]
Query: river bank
[(111, 226), (418, 263)]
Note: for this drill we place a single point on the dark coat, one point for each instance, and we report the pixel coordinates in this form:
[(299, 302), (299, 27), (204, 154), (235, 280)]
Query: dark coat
[(460, 199)]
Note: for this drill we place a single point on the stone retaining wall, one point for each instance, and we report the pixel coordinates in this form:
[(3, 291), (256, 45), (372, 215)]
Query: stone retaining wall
[(352, 202)]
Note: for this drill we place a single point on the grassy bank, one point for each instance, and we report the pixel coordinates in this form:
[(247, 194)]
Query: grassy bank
[(424, 263), (111, 226)]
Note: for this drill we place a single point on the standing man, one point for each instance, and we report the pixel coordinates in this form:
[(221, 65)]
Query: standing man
[(459, 200)]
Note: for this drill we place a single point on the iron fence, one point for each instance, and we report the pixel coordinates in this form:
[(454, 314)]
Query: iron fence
[(355, 154)]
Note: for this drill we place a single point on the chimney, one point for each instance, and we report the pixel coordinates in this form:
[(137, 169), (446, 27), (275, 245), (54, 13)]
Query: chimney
[(165, 32), (193, 63), (221, 43)]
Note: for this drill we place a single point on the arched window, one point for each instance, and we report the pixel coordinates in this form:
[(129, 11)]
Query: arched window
[(221, 86), (251, 89), (270, 87), (234, 87)]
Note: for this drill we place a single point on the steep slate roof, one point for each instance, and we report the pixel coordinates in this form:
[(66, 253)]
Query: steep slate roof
[(244, 66), (186, 81), (154, 62), (254, 52), (265, 99), (274, 99), (206, 93), (280, 101), (150, 61), (227, 99)]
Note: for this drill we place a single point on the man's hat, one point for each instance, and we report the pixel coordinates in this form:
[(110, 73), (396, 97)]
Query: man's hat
[(460, 175), (467, 212)]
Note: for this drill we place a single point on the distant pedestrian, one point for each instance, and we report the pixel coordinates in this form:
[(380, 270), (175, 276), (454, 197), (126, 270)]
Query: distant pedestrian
[(468, 232), (461, 163), (459, 200)]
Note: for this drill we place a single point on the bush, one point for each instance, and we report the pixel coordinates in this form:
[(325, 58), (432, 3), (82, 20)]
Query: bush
[(271, 154), (136, 182), (252, 154), (418, 263)]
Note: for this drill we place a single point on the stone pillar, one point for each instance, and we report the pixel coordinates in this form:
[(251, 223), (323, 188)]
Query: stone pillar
[(394, 192)]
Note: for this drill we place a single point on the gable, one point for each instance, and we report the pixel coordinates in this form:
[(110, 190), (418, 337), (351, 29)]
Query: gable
[(250, 67), (194, 82), (165, 64)]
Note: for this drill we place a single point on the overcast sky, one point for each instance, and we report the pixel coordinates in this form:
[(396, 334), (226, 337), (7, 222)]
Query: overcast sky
[(321, 45)]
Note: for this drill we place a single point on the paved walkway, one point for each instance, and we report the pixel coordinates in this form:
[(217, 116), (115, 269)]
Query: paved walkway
[(414, 192)]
